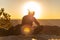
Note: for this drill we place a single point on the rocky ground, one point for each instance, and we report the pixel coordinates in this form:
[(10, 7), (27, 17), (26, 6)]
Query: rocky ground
[(31, 37), (48, 33)]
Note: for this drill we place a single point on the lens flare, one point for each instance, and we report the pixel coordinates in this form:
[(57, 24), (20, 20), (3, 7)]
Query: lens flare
[(34, 39), (26, 29)]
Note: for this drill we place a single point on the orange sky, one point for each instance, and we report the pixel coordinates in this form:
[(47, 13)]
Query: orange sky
[(50, 8)]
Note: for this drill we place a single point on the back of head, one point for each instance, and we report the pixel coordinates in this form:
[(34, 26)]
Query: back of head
[(31, 13)]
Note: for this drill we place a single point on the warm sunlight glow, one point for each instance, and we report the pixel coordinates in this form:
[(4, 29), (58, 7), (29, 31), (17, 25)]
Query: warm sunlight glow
[(34, 39), (33, 6), (27, 30)]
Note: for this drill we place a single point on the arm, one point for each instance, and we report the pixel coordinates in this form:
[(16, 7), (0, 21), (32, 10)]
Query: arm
[(36, 22)]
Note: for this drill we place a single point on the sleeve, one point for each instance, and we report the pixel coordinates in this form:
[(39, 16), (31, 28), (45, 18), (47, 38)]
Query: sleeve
[(36, 21)]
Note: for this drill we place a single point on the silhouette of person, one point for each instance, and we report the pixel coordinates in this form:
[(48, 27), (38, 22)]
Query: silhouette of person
[(29, 19)]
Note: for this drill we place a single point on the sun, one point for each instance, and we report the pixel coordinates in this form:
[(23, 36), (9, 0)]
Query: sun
[(33, 6)]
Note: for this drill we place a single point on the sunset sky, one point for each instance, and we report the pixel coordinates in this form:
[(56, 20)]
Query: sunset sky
[(49, 9)]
